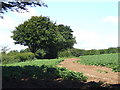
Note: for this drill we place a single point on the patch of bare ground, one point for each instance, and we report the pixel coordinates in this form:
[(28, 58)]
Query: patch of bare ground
[(94, 73)]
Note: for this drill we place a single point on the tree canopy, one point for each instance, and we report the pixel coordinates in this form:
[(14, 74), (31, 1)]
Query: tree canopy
[(43, 37), (19, 5)]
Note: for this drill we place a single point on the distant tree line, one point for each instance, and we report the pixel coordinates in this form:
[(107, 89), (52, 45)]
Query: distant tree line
[(15, 56), (80, 52)]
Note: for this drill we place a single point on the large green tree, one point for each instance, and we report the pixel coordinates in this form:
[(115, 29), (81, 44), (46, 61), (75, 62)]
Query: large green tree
[(43, 37)]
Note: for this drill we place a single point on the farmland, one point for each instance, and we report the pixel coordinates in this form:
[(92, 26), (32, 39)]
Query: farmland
[(16, 74), (108, 60), (45, 71)]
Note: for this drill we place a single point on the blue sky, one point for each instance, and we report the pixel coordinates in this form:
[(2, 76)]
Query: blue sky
[(94, 22)]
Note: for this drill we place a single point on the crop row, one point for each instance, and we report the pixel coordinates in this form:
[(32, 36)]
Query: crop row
[(108, 60), (40, 72)]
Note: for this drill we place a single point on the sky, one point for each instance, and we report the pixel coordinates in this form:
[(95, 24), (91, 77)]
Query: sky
[(94, 22)]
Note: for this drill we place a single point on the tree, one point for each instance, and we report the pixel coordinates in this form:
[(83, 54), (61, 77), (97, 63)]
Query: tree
[(66, 33), (4, 49), (102, 51), (13, 52), (25, 50), (19, 5), (43, 37), (77, 52), (112, 50)]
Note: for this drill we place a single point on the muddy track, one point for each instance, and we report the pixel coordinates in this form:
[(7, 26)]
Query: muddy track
[(94, 73)]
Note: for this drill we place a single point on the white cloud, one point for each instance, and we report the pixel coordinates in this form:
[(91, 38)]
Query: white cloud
[(110, 19), (7, 23), (7, 41), (93, 40)]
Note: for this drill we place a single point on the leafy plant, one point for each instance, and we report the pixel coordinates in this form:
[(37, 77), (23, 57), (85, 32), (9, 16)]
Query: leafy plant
[(108, 60), (42, 72), (102, 71)]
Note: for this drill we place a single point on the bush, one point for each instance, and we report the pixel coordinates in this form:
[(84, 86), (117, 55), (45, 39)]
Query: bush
[(103, 51), (77, 52), (13, 52), (24, 56), (71, 53), (8, 59), (17, 57), (112, 50), (92, 52), (25, 50), (65, 53)]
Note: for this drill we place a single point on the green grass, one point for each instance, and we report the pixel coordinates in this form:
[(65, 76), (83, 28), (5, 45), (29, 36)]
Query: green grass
[(108, 60), (37, 62)]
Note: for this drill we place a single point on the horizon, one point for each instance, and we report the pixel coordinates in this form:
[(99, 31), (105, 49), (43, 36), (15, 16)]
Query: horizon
[(73, 47)]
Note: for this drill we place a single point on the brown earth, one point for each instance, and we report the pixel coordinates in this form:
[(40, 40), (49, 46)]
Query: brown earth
[(94, 73)]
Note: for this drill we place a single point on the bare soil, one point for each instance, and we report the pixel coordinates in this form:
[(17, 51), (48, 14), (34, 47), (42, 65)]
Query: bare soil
[(94, 73)]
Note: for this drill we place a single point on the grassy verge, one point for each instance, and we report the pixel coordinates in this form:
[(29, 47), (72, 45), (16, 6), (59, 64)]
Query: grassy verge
[(108, 60)]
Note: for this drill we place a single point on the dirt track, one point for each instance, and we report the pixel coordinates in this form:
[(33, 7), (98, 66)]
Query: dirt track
[(94, 73)]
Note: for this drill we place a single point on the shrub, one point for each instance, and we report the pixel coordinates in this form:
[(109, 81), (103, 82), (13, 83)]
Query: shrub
[(25, 50), (17, 57), (71, 52), (13, 52), (103, 51), (77, 52), (24, 56), (112, 50), (65, 53), (8, 59)]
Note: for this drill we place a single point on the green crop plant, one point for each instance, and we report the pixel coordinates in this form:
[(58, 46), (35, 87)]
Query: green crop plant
[(102, 71), (108, 60), (40, 72)]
